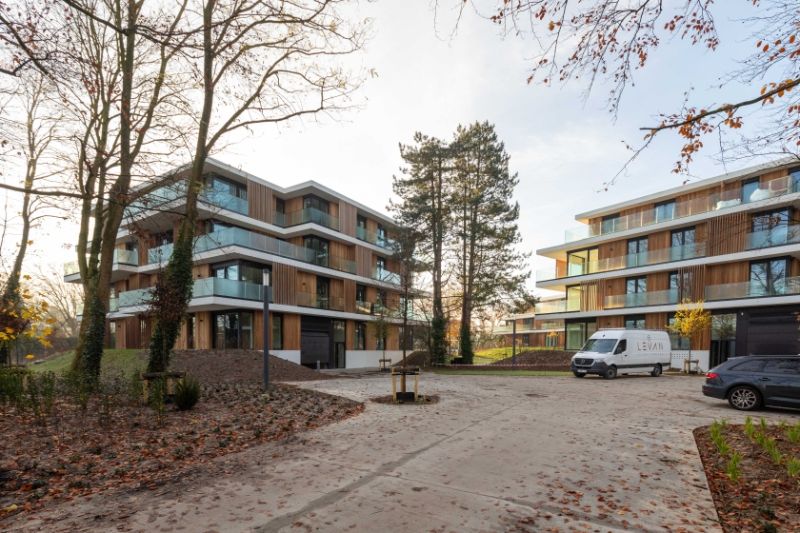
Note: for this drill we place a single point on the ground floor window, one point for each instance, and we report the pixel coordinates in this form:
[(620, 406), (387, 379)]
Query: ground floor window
[(277, 332), (551, 340), (233, 330), (634, 322), (361, 336), (578, 333), (676, 341)]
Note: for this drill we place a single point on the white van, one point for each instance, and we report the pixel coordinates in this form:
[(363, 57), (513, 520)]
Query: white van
[(610, 352)]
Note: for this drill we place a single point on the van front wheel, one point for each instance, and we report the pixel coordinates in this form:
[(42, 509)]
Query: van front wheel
[(656, 371), (610, 373)]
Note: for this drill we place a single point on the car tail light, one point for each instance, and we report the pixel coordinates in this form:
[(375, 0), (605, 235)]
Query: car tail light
[(711, 375)]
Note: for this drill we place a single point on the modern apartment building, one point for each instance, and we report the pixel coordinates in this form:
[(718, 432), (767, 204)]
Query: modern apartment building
[(330, 262), (732, 241)]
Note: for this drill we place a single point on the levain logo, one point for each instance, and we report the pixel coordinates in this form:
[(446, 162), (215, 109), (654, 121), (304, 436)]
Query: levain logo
[(650, 346)]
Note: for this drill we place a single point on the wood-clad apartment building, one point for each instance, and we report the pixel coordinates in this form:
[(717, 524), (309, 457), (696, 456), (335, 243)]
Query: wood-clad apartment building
[(732, 241), (330, 262)]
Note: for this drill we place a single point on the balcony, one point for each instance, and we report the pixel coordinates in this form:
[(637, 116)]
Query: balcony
[(310, 299), (256, 241), (163, 195), (204, 287), (552, 306), (777, 236), (381, 274), (753, 289), (651, 257), (363, 307), (713, 202), (121, 257), (304, 216), (375, 238), (642, 299)]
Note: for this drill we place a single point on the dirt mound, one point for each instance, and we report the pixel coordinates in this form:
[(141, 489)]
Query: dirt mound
[(536, 358), (239, 366), (419, 358)]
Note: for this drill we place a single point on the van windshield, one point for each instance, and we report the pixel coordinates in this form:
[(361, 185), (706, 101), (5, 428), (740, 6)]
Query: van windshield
[(599, 345)]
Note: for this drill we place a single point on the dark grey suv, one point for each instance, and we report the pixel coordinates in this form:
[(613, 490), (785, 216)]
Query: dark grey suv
[(755, 380)]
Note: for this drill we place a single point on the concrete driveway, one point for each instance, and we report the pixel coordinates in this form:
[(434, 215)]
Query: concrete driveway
[(496, 454)]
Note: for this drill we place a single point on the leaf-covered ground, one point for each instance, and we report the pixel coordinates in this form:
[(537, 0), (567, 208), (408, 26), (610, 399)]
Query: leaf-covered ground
[(78, 453), (765, 497)]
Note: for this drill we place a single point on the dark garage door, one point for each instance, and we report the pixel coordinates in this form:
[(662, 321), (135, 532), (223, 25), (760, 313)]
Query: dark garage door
[(315, 341), (772, 334)]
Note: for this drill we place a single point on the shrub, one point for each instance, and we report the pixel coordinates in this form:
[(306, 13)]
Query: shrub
[(733, 470), (187, 393), (793, 467), (793, 433)]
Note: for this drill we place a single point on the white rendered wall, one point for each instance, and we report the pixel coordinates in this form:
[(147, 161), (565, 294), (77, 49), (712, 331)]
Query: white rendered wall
[(370, 358), (289, 355), (678, 356)]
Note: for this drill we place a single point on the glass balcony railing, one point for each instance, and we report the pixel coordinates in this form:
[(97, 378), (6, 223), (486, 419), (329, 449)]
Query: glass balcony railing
[(753, 289), (642, 299), (224, 200), (715, 201), (777, 236), (121, 257), (651, 257), (310, 299), (551, 306), (256, 241), (306, 215), (163, 195), (135, 297), (113, 304), (375, 238), (204, 287), (363, 307), (386, 276)]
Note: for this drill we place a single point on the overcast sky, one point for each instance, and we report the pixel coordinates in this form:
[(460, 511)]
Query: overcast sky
[(564, 148)]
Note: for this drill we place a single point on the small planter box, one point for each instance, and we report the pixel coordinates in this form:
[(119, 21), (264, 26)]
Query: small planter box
[(171, 379)]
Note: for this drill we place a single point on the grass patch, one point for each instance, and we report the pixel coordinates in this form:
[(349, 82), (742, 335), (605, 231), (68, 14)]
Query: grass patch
[(494, 354), (113, 363), (487, 372)]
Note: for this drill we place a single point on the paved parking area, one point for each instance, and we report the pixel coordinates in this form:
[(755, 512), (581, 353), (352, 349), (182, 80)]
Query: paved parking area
[(496, 454)]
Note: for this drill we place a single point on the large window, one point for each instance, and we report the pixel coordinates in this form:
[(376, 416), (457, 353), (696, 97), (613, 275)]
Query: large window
[(276, 339), (635, 322), (768, 277), (315, 202), (770, 229), (582, 262), (233, 330), (665, 211), (380, 264), (610, 224), (381, 235), (361, 336), (748, 188), (636, 291), (223, 185), (683, 244), (637, 252), (578, 333), (319, 247), (574, 298), (680, 285), (239, 271), (323, 292), (280, 206)]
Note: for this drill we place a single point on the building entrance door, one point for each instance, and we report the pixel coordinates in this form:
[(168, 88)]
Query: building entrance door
[(723, 339)]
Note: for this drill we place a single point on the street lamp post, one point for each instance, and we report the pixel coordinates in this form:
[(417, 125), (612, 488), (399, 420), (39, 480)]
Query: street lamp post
[(267, 293)]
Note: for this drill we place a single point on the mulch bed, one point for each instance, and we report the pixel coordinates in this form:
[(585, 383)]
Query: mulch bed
[(421, 400), (239, 366), (541, 359), (79, 453), (765, 498)]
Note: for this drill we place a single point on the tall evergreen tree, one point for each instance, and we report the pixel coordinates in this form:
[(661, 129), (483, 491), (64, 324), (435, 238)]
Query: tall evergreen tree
[(484, 217), (424, 207)]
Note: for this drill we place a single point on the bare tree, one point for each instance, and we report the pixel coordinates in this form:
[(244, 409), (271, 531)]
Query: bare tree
[(258, 62)]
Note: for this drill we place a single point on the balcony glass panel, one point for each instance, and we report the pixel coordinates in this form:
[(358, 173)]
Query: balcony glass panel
[(224, 200), (229, 288), (551, 306), (135, 297), (386, 276), (306, 215), (642, 299), (373, 238), (777, 236), (309, 299), (753, 289), (715, 201)]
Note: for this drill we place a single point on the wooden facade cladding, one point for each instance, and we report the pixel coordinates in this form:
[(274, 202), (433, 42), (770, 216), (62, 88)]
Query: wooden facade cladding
[(728, 233), (260, 202), (349, 296), (364, 261), (347, 218), (291, 332), (284, 282)]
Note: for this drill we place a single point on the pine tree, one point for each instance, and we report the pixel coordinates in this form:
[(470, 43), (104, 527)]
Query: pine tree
[(484, 218), (424, 207)]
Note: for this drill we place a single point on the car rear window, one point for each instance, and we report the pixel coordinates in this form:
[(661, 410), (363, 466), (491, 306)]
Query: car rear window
[(754, 365), (783, 366)]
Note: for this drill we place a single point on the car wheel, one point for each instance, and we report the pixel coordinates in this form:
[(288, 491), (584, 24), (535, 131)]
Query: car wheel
[(656, 371), (610, 373), (744, 398), (579, 374)]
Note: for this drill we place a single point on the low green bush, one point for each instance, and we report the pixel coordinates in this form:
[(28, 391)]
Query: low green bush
[(187, 393)]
